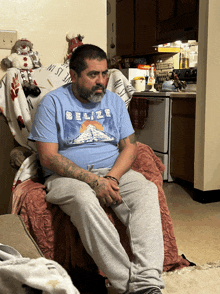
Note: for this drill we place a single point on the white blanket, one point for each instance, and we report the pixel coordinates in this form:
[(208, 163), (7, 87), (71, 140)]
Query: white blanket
[(22, 275), (20, 110)]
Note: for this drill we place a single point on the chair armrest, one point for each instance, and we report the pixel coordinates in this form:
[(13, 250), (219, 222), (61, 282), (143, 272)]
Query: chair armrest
[(14, 233), (18, 155)]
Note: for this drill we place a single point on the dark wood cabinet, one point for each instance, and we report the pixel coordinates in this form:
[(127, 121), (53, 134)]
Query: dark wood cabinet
[(145, 27), (135, 27), (142, 24), (177, 20), (124, 27), (182, 138)]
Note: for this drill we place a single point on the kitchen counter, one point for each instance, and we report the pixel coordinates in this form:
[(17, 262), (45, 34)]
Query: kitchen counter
[(168, 94), (148, 93), (182, 95)]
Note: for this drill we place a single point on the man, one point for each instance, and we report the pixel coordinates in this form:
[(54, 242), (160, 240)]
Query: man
[(85, 139)]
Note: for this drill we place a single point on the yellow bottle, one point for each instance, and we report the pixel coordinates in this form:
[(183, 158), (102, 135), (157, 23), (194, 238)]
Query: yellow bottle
[(184, 59)]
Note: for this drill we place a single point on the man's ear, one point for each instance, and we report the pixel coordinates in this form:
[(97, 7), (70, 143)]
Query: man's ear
[(73, 75)]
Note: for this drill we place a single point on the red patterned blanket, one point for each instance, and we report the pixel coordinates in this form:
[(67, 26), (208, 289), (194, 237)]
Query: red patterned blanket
[(58, 238)]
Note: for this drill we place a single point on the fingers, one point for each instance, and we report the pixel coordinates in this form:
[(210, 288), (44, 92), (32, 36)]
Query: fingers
[(108, 192), (114, 193), (116, 198), (113, 198), (108, 198), (105, 200)]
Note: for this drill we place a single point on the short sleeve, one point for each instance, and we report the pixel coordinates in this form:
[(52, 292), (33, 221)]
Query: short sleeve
[(44, 128), (126, 128)]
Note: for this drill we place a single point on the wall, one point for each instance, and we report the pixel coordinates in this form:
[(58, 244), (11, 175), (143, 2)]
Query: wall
[(207, 137), (45, 23)]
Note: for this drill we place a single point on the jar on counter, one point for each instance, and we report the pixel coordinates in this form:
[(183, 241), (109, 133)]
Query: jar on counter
[(139, 84), (193, 59)]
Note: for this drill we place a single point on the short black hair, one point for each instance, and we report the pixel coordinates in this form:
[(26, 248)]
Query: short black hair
[(85, 51)]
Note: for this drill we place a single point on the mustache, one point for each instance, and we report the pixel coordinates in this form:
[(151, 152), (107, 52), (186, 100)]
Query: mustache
[(98, 87)]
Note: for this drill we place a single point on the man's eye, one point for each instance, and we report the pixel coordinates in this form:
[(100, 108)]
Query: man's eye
[(93, 75), (105, 74)]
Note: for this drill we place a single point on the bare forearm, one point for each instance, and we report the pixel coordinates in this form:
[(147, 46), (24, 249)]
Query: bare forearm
[(123, 163), (127, 155)]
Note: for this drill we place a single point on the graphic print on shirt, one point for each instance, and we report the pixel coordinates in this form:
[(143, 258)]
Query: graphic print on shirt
[(88, 127)]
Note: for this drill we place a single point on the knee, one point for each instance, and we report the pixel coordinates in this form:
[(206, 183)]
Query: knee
[(146, 184), (146, 189), (151, 187), (138, 181)]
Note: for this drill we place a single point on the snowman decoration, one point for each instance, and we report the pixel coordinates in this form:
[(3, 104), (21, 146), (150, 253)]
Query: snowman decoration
[(25, 60), (74, 42)]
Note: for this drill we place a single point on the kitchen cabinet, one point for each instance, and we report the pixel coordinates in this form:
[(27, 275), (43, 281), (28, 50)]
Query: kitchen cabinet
[(182, 138), (145, 27), (135, 27), (124, 27), (177, 20), (141, 24)]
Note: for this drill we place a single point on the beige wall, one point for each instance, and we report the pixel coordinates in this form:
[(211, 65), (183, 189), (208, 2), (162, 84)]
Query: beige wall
[(207, 142), (45, 23)]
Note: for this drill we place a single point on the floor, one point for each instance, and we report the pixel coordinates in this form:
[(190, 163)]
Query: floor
[(196, 225)]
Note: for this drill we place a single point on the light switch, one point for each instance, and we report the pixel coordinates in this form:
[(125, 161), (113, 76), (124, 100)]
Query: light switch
[(7, 39)]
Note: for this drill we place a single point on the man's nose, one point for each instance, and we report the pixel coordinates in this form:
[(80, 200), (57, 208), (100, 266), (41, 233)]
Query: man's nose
[(100, 79)]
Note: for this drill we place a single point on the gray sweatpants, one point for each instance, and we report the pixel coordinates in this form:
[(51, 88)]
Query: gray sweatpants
[(139, 212)]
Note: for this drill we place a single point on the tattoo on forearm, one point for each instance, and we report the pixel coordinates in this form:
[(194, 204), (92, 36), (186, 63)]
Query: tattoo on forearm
[(66, 168), (132, 139)]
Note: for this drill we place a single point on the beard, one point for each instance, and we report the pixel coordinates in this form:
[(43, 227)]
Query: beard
[(91, 95)]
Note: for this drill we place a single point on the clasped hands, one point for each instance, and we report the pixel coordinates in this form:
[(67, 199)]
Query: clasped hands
[(107, 191)]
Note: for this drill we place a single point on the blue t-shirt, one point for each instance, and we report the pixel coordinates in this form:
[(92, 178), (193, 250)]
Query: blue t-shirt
[(87, 133)]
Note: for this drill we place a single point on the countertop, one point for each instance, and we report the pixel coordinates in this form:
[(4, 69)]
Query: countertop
[(183, 95), (166, 94)]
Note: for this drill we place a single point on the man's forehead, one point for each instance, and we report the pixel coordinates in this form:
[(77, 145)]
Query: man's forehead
[(97, 71), (96, 64)]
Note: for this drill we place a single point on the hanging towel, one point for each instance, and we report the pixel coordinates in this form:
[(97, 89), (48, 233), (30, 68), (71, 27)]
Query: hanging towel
[(138, 110)]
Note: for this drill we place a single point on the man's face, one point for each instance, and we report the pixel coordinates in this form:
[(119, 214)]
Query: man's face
[(90, 86)]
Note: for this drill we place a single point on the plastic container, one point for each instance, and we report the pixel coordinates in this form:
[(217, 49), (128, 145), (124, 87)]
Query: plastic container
[(144, 66), (139, 85), (193, 59)]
